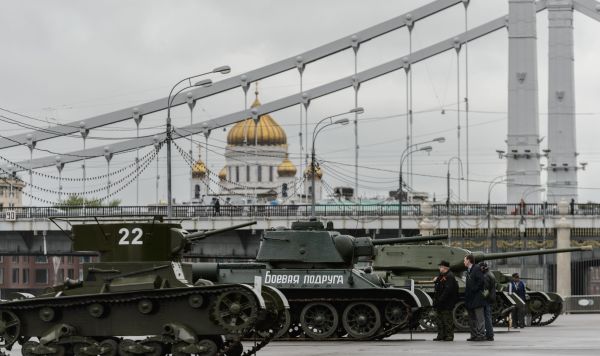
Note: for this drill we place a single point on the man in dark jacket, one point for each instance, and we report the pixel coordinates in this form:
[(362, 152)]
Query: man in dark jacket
[(516, 286), (444, 299), (474, 300), (489, 293)]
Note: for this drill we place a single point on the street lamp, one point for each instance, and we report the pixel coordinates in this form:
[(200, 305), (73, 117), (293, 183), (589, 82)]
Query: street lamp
[(407, 152), (493, 183), (170, 98), (448, 192), (317, 129)]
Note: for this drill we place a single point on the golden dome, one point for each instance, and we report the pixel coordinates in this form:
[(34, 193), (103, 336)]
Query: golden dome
[(269, 132), (286, 168), (308, 172), (199, 169), (223, 173)]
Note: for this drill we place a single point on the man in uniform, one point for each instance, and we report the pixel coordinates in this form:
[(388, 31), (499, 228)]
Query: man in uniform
[(444, 299), (517, 287)]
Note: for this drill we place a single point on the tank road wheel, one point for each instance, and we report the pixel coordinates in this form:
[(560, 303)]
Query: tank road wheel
[(109, 347), (396, 313), (235, 311), (428, 319), (132, 348), (537, 308), (319, 320), (361, 320), (28, 347), (461, 316), (10, 328)]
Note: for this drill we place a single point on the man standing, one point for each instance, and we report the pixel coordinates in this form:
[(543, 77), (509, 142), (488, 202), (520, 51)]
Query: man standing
[(517, 287), (444, 299), (489, 294), (474, 301)]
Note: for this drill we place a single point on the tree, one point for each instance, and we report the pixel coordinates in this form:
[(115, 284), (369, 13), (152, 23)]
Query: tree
[(76, 200)]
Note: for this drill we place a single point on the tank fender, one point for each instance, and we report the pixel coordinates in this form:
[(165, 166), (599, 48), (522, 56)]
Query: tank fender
[(284, 300), (261, 300), (555, 297), (411, 298), (542, 294), (424, 298)]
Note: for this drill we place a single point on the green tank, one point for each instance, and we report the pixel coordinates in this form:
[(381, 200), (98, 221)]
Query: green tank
[(401, 263), (544, 307), (314, 267), (139, 288)]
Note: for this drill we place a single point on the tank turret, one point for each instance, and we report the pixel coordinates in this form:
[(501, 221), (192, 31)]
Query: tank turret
[(309, 244), (139, 241), (426, 257)]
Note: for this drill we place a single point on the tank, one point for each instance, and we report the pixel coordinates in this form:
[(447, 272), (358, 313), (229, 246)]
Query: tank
[(544, 307), (139, 288), (399, 264), (314, 267)]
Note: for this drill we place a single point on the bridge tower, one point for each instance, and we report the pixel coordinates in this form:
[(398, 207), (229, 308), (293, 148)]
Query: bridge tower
[(523, 144), (562, 160)]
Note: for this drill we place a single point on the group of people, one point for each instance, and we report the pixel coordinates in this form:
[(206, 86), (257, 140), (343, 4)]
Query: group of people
[(480, 295)]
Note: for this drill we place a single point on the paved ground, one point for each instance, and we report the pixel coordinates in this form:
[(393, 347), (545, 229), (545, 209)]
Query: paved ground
[(569, 335)]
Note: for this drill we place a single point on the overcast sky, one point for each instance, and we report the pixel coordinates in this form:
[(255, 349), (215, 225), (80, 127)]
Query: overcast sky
[(66, 61)]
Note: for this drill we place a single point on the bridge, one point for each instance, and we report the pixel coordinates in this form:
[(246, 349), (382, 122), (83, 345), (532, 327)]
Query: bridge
[(27, 230)]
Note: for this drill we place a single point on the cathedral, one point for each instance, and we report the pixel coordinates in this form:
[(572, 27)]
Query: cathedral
[(257, 167)]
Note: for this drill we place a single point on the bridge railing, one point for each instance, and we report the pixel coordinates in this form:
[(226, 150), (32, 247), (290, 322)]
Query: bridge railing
[(301, 210)]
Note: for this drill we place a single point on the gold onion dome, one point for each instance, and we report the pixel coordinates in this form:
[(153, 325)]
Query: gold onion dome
[(269, 132), (286, 168), (199, 169), (223, 173), (308, 172)]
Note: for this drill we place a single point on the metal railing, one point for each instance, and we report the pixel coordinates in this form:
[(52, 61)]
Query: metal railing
[(300, 210)]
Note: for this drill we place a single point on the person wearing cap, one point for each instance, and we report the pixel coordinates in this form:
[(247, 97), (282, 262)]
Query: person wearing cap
[(516, 286), (444, 298), (474, 300), (489, 294)]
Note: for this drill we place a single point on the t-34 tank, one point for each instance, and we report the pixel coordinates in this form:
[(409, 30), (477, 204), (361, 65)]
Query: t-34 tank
[(397, 264), (139, 287), (328, 296), (544, 307)]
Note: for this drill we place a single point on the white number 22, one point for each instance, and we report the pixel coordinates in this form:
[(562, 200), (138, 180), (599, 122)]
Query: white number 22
[(137, 232)]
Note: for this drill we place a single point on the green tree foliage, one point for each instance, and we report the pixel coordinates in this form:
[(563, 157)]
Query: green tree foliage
[(76, 200)]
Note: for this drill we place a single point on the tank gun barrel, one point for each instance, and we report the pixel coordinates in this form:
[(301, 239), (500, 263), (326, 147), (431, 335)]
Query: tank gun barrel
[(479, 256), (408, 240), (200, 235)]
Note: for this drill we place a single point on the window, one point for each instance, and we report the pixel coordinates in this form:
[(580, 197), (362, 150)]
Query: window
[(70, 260), (41, 276), (84, 259), (247, 173), (15, 259), (81, 274), (41, 259), (1, 258), (25, 259), (25, 275), (197, 191), (15, 276), (1, 275), (71, 273), (237, 173), (270, 173), (259, 173)]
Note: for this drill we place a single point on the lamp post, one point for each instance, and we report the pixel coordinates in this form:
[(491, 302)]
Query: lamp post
[(407, 152), (316, 131), (493, 183), (170, 98), (59, 165), (84, 134), (448, 192), (157, 148), (137, 118), (108, 155), (31, 145)]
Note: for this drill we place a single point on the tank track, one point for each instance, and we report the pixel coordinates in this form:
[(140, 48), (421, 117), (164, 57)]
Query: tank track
[(63, 338), (387, 329)]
